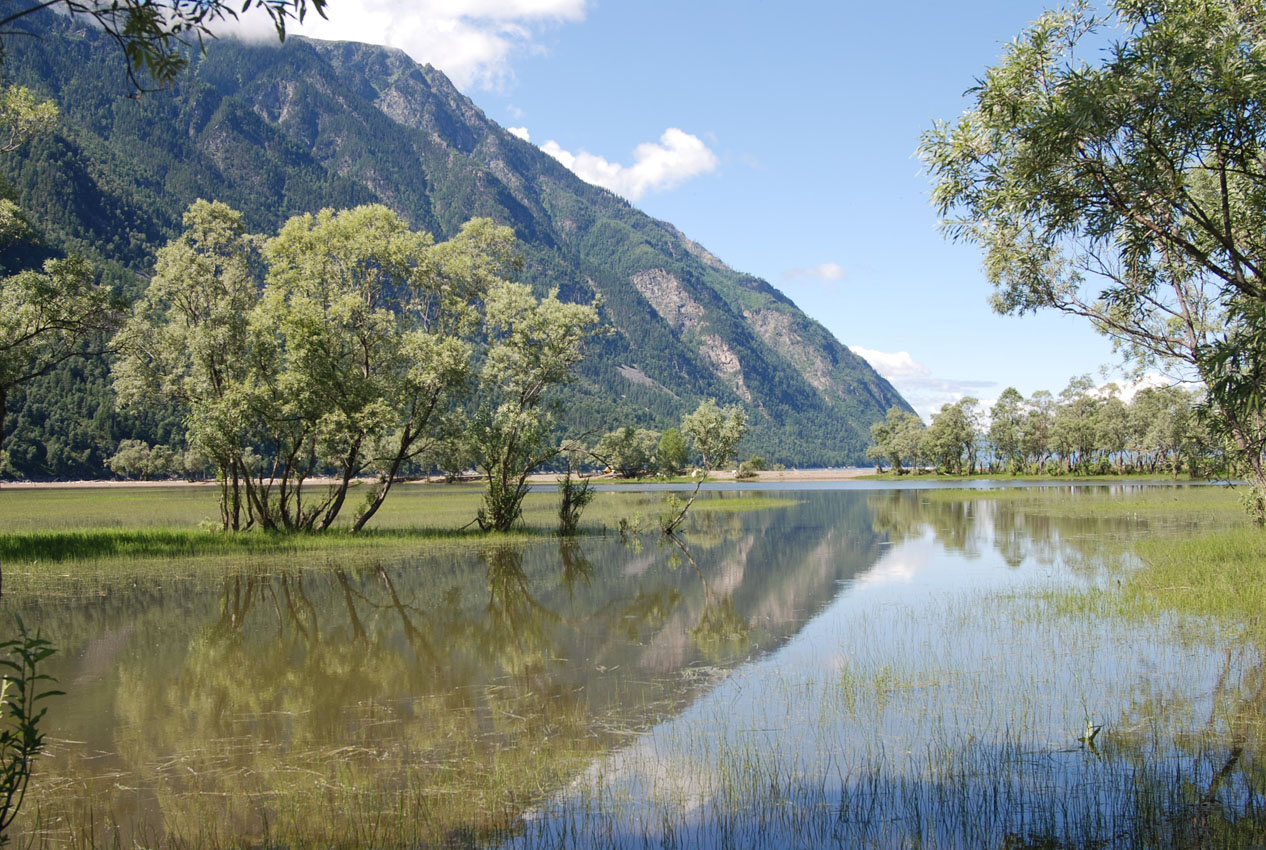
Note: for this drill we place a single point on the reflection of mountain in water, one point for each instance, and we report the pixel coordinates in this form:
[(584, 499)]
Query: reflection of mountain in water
[(465, 682)]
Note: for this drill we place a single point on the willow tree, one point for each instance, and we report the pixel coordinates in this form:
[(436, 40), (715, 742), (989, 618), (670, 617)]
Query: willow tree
[(336, 350), (188, 341), (534, 345), (714, 433), (1128, 186), (367, 328)]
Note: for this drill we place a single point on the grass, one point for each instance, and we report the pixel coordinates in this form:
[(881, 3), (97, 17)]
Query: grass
[(727, 503), (75, 541)]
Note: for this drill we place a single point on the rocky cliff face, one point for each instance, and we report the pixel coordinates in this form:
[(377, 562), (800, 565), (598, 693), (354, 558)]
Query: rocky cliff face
[(279, 130)]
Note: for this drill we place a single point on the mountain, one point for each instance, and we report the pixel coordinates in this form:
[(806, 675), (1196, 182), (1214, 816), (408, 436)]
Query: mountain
[(279, 130)]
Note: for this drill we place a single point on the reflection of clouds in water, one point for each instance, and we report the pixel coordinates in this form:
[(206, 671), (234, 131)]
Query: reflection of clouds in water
[(649, 771), (900, 564)]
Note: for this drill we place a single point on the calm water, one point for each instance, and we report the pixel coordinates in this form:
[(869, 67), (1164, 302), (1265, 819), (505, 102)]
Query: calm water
[(862, 668)]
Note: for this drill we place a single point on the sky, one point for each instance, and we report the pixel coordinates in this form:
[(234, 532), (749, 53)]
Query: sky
[(782, 138)]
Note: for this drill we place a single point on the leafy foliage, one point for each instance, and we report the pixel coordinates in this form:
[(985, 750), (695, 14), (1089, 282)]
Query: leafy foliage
[(1088, 431), (1127, 190), (714, 434), (535, 344), (155, 34), (22, 690), (629, 451)]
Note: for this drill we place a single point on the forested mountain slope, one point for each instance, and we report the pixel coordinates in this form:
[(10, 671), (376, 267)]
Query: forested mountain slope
[(276, 131)]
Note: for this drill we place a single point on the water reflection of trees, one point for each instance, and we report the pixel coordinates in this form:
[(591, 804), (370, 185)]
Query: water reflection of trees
[(1016, 529), (1191, 784), (412, 699)]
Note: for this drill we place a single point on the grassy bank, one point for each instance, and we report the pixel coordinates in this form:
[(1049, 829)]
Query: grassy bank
[(173, 528)]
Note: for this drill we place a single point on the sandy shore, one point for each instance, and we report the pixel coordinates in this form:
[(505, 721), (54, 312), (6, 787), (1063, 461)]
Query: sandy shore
[(833, 474)]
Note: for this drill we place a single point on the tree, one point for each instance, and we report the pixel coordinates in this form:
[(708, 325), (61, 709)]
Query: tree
[(952, 437), (1039, 423), (1129, 191), (352, 359), (1112, 429), (714, 433), (1006, 429), (1162, 424), (156, 36), (1073, 428), (364, 325), (22, 117), (188, 341), (137, 459), (629, 451), (46, 318), (535, 345), (896, 438), (671, 454)]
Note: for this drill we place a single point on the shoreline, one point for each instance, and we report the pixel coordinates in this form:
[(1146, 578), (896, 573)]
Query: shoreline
[(822, 474)]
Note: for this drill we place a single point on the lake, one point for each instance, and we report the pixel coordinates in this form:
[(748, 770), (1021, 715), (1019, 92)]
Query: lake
[(855, 666)]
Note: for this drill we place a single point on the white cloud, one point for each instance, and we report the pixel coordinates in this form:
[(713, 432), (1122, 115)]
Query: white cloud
[(1126, 390), (822, 271), (898, 364), (472, 41), (925, 393), (677, 157), (521, 132)]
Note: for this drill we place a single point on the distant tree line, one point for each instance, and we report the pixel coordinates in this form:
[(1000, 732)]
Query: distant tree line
[(1083, 431)]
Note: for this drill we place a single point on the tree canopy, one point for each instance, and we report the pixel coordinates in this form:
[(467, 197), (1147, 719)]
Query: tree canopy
[(156, 35), (1126, 185), (343, 347)]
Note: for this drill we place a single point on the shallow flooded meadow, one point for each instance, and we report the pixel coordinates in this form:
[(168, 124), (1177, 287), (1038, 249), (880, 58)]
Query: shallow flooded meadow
[(847, 666)]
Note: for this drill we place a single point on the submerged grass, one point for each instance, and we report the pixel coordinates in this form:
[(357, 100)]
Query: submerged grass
[(737, 504), (950, 724), (1218, 505)]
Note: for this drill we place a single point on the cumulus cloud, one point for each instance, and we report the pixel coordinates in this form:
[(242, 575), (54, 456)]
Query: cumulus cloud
[(898, 364), (521, 132), (674, 159), (472, 41), (927, 394), (822, 271)]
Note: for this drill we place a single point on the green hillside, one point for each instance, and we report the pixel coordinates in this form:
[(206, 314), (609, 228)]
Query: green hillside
[(276, 131)]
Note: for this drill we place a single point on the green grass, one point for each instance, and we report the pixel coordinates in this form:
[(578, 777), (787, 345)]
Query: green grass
[(90, 525), (1216, 576), (742, 503), (1220, 576)]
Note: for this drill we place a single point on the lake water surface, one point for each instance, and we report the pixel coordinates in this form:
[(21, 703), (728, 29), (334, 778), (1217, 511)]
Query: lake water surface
[(853, 667)]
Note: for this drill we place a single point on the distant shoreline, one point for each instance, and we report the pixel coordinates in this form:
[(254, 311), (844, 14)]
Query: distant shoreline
[(827, 474)]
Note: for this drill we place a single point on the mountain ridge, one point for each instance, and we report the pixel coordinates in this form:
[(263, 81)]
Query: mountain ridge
[(278, 130)]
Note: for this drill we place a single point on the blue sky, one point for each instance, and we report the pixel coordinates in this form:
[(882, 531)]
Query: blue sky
[(779, 136)]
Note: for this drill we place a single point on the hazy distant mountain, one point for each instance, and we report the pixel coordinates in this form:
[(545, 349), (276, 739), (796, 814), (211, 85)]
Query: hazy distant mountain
[(276, 131)]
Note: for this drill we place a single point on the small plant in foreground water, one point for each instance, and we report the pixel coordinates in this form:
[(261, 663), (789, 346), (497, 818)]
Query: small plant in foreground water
[(20, 736)]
